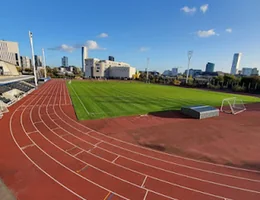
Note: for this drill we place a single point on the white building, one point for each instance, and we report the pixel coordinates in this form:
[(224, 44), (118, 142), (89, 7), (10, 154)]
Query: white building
[(25, 62), (84, 55), (107, 69), (236, 63), (9, 52), (175, 71)]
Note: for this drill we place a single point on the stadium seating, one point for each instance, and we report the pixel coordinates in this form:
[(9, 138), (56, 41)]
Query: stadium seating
[(4, 88), (5, 100), (21, 86)]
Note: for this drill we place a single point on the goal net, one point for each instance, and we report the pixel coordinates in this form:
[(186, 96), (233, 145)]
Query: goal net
[(232, 105), (3, 109)]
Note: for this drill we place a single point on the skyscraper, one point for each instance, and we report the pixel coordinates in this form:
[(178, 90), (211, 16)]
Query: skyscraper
[(64, 61), (236, 62), (38, 61), (84, 54), (174, 71), (210, 67)]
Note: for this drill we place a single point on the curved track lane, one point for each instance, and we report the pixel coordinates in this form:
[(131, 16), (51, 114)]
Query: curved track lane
[(85, 164)]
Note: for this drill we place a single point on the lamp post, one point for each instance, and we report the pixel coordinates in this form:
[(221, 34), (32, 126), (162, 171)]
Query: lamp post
[(190, 53), (44, 64), (33, 61)]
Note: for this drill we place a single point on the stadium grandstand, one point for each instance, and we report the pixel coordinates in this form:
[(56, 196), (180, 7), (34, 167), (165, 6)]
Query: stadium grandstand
[(13, 85)]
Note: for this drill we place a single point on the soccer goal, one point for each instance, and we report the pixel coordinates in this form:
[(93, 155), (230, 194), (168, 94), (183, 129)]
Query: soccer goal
[(232, 105), (3, 109)]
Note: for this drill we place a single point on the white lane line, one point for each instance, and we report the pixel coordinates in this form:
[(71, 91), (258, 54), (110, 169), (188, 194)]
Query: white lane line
[(91, 149), (69, 155), (98, 143), (144, 182), (78, 153), (70, 148), (145, 194), (64, 134), (154, 158), (164, 153), (172, 172), (32, 132), (12, 134), (37, 122), (115, 159), (25, 147), (83, 168), (55, 128)]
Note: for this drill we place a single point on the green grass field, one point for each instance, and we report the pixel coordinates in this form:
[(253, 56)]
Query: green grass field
[(95, 100)]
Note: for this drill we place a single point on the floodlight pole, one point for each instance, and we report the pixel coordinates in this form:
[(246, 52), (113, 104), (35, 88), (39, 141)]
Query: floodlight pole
[(44, 64), (148, 59), (190, 53), (33, 61)]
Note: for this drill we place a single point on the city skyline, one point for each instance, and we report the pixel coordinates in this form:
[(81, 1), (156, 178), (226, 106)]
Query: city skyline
[(162, 32)]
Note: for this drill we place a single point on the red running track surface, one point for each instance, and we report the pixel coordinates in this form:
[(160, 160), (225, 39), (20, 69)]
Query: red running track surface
[(47, 154)]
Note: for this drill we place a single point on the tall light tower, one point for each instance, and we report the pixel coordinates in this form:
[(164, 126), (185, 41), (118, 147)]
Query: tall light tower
[(148, 59), (33, 61), (190, 53), (44, 64)]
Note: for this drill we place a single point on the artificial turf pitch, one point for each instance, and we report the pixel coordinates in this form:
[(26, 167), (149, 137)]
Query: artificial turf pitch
[(104, 99)]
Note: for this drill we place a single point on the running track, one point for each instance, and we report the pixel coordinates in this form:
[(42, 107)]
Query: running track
[(47, 154)]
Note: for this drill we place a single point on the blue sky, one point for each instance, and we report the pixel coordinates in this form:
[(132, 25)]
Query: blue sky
[(162, 30)]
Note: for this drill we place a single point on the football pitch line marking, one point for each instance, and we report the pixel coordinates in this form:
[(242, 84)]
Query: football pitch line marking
[(80, 100)]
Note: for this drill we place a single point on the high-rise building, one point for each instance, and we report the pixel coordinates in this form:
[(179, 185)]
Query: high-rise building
[(9, 52), (84, 55), (64, 61), (111, 58), (25, 62), (174, 71), (38, 61), (235, 63), (210, 67)]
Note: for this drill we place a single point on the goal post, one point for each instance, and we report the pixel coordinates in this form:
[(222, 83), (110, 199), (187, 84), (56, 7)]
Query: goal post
[(232, 105)]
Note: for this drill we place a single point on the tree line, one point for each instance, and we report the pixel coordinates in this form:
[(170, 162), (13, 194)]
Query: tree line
[(228, 82)]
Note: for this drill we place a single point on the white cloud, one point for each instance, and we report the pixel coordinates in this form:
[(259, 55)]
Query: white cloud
[(64, 47), (204, 8), (207, 33), (186, 9), (93, 45), (102, 35), (229, 30), (90, 44), (143, 49)]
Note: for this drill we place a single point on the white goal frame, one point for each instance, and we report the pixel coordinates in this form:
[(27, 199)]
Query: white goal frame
[(236, 105)]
